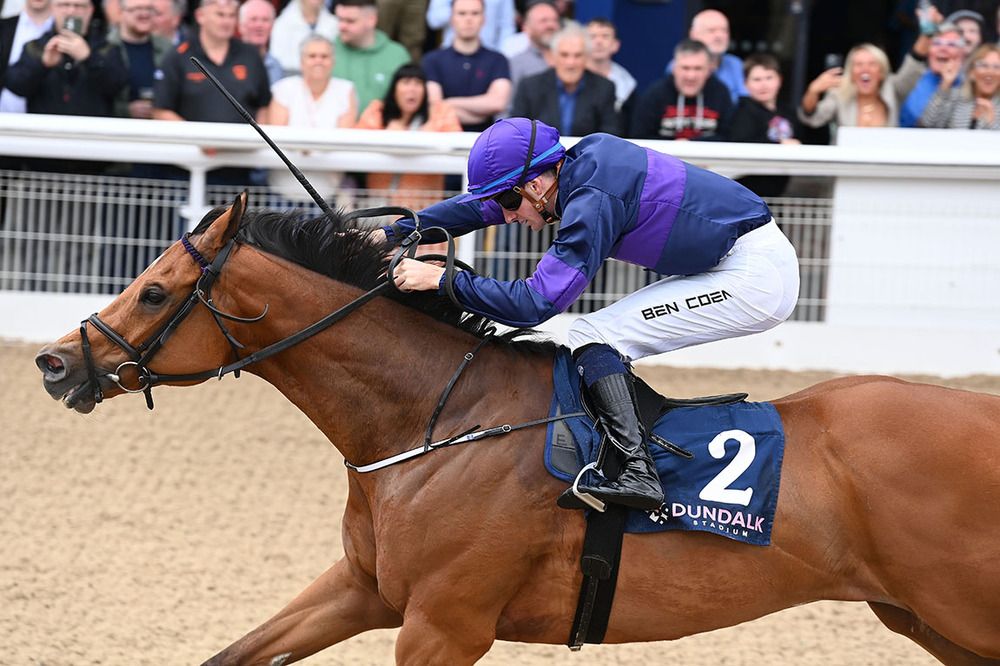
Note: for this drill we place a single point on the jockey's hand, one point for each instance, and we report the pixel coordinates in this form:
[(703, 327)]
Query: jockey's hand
[(413, 275)]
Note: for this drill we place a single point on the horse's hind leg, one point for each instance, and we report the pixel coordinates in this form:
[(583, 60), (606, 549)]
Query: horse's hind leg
[(907, 624), (337, 605)]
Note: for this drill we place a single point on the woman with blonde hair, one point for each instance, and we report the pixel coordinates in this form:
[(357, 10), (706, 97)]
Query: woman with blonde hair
[(976, 104), (864, 93)]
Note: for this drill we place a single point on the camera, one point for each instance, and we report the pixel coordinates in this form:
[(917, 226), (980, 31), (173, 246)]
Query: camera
[(832, 60), (74, 24)]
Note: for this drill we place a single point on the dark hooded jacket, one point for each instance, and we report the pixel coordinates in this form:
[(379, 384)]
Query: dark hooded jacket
[(86, 88)]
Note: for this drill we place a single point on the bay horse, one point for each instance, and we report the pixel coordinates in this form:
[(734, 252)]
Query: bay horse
[(890, 490)]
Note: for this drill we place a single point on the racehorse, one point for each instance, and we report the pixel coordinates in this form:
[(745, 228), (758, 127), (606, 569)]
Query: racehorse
[(889, 492)]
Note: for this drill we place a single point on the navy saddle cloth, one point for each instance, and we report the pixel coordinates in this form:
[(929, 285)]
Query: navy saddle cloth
[(730, 485)]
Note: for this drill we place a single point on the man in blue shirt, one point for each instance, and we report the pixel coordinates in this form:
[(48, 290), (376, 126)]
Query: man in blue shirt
[(472, 78), (946, 49), (499, 17), (730, 270)]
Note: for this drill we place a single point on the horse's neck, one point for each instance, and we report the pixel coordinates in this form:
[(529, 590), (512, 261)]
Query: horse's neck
[(370, 382)]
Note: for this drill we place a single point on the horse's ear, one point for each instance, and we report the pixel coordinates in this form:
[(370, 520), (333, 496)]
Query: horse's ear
[(225, 226)]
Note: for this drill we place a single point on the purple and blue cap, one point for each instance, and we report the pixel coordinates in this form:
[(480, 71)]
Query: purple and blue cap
[(499, 158)]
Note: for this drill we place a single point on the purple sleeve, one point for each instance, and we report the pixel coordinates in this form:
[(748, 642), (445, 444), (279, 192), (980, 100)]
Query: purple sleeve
[(457, 216), (587, 235)]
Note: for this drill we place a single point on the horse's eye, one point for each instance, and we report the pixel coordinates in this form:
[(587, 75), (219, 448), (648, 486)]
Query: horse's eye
[(153, 296)]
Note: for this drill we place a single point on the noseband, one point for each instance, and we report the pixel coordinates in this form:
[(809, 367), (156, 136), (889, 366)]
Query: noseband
[(141, 356)]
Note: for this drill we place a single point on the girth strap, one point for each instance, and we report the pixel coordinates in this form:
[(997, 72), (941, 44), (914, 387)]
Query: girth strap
[(602, 549)]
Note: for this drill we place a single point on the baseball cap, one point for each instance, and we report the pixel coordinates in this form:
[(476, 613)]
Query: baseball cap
[(499, 158), (961, 14)]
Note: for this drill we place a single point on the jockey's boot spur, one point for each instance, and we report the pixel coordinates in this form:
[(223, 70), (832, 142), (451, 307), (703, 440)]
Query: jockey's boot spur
[(638, 485)]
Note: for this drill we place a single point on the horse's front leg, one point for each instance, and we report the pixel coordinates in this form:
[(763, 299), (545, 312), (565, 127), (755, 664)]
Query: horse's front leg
[(451, 617), (339, 604), (429, 637)]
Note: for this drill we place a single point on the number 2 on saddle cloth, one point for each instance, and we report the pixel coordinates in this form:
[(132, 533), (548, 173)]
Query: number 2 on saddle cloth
[(719, 458)]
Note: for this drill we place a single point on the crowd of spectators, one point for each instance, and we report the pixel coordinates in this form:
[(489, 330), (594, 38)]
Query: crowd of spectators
[(369, 63)]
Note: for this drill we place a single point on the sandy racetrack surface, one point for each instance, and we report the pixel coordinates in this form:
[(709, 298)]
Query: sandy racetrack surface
[(135, 537)]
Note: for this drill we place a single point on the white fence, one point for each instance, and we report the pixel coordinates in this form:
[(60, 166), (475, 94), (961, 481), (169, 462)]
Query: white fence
[(896, 271)]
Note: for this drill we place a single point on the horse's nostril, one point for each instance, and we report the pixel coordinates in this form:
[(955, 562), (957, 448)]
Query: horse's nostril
[(50, 364)]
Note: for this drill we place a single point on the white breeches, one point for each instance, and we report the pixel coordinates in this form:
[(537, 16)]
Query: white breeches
[(752, 289)]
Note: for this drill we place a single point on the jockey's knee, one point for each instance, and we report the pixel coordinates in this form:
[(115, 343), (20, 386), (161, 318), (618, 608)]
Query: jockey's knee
[(583, 333)]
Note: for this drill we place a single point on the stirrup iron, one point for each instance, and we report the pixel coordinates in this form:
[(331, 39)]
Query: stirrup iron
[(587, 498)]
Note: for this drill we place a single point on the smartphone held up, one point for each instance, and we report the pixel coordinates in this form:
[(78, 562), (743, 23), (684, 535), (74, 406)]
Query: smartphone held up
[(74, 24)]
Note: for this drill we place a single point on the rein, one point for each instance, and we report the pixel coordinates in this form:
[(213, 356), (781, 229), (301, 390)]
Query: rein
[(141, 356)]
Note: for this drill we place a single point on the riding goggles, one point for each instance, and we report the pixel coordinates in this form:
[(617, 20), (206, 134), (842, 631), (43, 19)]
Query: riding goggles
[(509, 199)]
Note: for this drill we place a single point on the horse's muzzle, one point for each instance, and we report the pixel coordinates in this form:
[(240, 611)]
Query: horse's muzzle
[(65, 379)]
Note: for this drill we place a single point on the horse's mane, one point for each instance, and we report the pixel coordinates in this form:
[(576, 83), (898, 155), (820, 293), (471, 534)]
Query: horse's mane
[(343, 250)]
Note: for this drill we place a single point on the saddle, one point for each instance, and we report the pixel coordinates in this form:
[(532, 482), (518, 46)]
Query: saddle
[(653, 405)]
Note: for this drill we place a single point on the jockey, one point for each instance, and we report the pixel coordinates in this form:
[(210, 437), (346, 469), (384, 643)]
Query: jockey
[(729, 269)]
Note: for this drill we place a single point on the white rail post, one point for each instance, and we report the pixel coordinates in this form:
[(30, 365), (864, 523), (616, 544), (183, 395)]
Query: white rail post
[(467, 245), (195, 208)]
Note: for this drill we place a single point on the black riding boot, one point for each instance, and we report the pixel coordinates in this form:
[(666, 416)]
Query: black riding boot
[(638, 485)]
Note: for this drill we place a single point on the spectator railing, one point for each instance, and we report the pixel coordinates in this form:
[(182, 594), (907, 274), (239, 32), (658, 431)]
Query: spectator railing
[(91, 235)]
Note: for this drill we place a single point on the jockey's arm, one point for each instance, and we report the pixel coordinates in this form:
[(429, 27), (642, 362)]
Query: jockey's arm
[(456, 216), (585, 239)]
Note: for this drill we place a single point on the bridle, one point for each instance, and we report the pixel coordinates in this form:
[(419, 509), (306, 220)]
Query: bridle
[(140, 356)]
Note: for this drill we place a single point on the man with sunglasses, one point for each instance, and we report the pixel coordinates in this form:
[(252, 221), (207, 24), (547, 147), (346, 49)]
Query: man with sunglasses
[(731, 271)]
